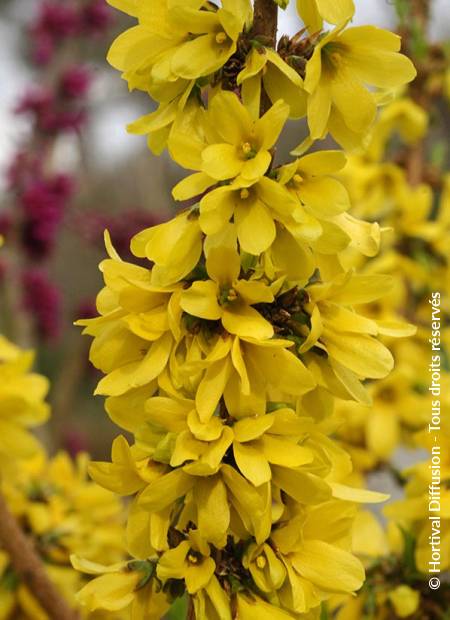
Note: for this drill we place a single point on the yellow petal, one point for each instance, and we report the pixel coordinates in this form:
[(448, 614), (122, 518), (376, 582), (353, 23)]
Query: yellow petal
[(230, 118), (336, 12), (255, 607), (252, 463), (200, 299), (285, 453), (193, 185), (255, 227), (244, 321), (364, 496), (111, 592), (303, 487), (223, 265), (221, 161), (248, 429), (345, 89), (405, 600), (269, 126), (166, 490), (211, 388), (216, 209), (318, 108), (363, 355), (283, 369), (197, 577), (330, 568), (210, 496)]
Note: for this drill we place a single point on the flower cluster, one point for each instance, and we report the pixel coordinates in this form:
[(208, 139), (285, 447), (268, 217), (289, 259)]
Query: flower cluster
[(224, 354), (22, 403), (60, 509), (176, 53), (400, 181)]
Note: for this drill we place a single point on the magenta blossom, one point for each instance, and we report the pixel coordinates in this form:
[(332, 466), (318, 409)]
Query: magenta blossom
[(42, 299)]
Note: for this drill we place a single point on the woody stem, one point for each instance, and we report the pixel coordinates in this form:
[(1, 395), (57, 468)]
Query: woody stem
[(29, 567), (265, 23), (191, 610)]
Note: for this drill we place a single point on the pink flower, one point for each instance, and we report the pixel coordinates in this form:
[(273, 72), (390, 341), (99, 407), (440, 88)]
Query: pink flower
[(96, 17), (75, 82), (42, 299)]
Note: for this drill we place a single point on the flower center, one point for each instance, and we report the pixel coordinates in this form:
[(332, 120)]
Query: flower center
[(227, 295), (248, 150), (261, 561), (298, 179), (244, 194), (221, 37), (192, 558)]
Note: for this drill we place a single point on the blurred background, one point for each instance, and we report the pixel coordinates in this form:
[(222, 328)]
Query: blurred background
[(68, 170)]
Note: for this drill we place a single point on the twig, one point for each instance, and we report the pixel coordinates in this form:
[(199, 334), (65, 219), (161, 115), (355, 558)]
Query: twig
[(265, 23), (29, 567), (191, 610)]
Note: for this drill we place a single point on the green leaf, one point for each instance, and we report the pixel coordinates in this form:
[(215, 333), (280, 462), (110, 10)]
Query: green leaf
[(178, 611), (409, 550), (324, 615), (282, 3)]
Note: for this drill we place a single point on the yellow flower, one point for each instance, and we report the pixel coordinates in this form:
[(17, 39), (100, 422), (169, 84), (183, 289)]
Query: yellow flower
[(237, 146), (314, 12), (266, 568), (122, 586), (213, 36), (254, 208), (251, 606), (347, 337), (190, 561), (405, 600), (227, 298), (336, 75), (63, 513), (315, 561), (133, 335), (176, 39), (264, 68), (175, 248), (402, 116), (22, 404), (212, 602)]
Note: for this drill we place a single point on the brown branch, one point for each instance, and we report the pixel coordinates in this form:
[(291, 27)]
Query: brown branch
[(419, 14), (265, 23), (29, 567), (191, 610), (265, 20)]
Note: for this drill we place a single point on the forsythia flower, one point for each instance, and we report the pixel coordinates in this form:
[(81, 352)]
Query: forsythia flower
[(63, 513), (22, 403), (340, 67), (236, 146), (227, 298)]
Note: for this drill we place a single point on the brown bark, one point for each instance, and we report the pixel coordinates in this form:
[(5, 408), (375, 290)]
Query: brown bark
[(265, 20), (265, 24), (29, 567), (191, 610), (419, 14)]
